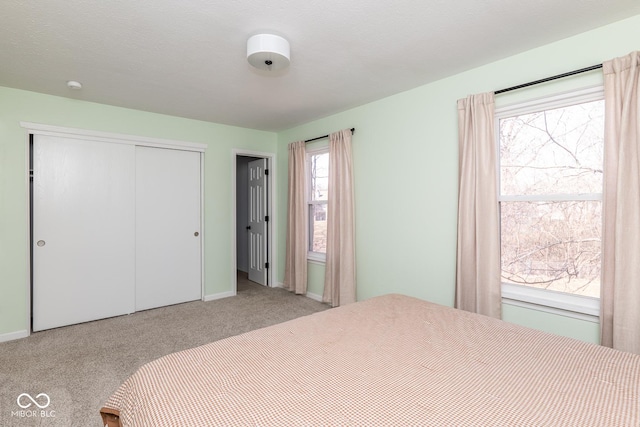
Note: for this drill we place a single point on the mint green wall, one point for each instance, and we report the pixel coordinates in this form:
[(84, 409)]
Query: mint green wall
[(17, 105), (559, 325), (406, 160), (315, 274), (405, 156)]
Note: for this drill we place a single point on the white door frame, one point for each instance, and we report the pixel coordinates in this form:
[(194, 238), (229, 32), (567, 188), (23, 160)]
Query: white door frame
[(271, 191)]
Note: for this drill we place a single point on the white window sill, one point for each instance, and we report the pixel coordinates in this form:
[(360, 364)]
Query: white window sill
[(316, 258), (560, 303)]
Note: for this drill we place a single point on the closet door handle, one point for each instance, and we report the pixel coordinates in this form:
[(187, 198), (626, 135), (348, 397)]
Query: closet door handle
[(41, 243), (196, 234)]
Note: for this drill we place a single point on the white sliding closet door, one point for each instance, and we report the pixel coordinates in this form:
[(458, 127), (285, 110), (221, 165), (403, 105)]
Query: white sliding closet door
[(168, 260), (83, 230)]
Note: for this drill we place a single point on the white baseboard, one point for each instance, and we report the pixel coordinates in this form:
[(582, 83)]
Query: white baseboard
[(315, 297), (220, 295), (13, 336)]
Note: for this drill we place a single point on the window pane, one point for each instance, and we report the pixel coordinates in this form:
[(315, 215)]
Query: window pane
[(319, 176), (552, 245), (318, 228), (553, 152)]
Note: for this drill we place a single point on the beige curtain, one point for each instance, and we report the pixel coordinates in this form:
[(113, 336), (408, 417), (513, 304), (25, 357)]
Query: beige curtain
[(340, 269), (478, 258), (620, 290), (295, 270)]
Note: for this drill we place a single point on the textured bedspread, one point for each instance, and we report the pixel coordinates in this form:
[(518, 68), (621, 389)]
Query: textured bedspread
[(388, 361)]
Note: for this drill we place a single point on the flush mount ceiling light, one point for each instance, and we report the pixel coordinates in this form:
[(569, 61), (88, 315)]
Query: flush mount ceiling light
[(72, 84), (268, 52)]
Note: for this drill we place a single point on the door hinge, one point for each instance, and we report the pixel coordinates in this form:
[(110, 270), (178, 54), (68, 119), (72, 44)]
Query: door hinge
[(266, 265), (266, 171), (266, 218)]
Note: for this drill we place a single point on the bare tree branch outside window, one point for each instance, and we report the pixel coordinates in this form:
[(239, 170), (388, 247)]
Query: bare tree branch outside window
[(550, 191), (319, 188)]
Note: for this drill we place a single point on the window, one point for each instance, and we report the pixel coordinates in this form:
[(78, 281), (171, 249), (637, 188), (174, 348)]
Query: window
[(550, 195), (318, 195)]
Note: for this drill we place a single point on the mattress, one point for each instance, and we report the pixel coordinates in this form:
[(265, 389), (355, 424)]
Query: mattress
[(387, 361)]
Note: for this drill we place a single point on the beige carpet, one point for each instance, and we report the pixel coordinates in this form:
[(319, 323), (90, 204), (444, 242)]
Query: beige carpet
[(79, 366)]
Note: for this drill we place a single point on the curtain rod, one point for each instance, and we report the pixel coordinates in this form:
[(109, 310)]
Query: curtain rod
[(353, 130), (548, 79)]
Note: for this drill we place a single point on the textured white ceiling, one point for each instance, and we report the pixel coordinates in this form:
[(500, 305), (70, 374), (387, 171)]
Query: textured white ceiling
[(187, 58)]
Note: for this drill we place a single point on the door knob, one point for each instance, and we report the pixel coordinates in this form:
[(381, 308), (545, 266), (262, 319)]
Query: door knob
[(41, 243), (196, 234)]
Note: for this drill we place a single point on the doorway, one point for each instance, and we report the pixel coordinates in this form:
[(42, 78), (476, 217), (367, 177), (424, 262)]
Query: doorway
[(253, 217)]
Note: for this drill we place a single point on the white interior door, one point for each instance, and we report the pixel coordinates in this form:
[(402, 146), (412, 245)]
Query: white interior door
[(257, 223), (168, 260), (83, 230)]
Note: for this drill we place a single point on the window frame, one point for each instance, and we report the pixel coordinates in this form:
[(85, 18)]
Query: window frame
[(565, 304), (316, 257)]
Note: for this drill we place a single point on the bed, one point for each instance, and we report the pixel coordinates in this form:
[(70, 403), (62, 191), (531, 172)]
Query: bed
[(387, 361)]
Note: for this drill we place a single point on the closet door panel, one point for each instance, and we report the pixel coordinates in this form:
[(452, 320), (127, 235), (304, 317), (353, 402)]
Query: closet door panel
[(168, 260), (83, 231)]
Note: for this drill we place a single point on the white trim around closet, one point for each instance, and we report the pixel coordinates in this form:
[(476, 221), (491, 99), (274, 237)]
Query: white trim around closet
[(51, 130), (117, 138)]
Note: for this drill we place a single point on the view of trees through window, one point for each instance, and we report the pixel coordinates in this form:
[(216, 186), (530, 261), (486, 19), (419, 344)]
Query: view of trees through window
[(550, 198), (319, 192)]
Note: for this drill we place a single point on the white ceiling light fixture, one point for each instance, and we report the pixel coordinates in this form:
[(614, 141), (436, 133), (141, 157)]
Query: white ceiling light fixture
[(72, 84), (268, 52)]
